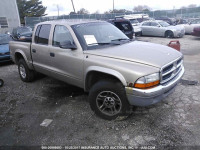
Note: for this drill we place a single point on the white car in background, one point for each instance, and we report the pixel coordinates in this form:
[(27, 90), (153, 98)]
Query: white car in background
[(191, 25), (161, 28), (135, 23), (135, 20)]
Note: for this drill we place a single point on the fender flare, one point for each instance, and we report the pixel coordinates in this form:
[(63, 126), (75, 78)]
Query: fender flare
[(24, 56), (108, 71)]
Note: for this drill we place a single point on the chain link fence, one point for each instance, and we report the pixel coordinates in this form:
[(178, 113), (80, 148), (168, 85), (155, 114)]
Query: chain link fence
[(186, 13)]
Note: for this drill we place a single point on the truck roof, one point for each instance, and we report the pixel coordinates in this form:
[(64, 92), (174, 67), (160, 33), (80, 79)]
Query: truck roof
[(71, 21)]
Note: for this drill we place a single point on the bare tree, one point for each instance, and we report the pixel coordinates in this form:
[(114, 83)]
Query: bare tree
[(141, 8), (189, 6), (118, 11), (83, 11), (192, 6), (96, 12)]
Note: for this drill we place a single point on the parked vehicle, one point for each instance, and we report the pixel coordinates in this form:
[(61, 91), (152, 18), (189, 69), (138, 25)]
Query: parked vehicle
[(181, 21), (170, 21), (96, 56), (140, 17), (124, 25), (26, 37), (4, 47), (161, 28), (196, 31), (135, 23), (135, 20), (191, 25), (21, 31)]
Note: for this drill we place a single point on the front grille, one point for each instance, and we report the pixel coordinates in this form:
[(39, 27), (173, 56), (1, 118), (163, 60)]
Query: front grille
[(171, 71)]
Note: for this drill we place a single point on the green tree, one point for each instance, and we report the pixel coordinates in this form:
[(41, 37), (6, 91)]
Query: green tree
[(30, 8)]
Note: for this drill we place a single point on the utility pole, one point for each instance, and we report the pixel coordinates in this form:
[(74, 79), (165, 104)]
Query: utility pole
[(73, 6), (113, 6), (58, 10)]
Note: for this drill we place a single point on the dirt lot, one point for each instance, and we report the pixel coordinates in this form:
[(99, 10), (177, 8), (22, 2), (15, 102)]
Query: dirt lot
[(24, 106)]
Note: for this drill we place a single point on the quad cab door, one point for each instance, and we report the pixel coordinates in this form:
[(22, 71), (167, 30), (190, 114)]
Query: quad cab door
[(40, 49), (66, 63)]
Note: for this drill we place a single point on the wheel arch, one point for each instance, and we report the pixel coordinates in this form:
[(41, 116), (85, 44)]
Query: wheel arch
[(168, 31), (95, 73), (19, 54)]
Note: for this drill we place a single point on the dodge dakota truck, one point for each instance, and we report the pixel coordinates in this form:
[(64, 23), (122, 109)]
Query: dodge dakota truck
[(95, 55)]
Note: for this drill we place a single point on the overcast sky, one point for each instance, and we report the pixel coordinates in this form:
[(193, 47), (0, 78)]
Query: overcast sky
[(92, 6)]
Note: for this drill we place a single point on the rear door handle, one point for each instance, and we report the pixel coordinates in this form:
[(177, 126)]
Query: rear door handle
[(34, 50), (52, 54)]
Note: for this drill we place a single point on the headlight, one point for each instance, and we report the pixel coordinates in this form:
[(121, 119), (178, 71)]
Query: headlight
[(147, 81)]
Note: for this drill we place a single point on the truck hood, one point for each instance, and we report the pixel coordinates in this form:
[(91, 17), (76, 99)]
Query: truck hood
[(140, 52)]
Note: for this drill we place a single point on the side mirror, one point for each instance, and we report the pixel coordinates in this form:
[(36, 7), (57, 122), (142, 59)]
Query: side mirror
[(67, 45)]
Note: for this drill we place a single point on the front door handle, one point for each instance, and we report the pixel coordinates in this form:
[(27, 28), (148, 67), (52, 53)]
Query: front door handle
[(34, 50), (52, 54)]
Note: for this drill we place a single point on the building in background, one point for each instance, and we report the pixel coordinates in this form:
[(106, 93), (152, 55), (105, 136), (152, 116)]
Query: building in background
[(9, 15)]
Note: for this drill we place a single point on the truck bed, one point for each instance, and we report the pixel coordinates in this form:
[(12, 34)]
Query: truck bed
[(22, 47)]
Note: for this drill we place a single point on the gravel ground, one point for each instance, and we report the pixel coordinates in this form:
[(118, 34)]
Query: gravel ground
[(173, 123)]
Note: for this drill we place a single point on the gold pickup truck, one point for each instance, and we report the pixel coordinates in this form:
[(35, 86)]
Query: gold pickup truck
[(96, 56)]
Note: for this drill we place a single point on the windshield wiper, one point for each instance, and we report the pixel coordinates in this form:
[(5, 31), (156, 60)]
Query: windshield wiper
[(103, 44), (120, 39)]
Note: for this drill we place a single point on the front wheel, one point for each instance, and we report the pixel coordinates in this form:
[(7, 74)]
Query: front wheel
[(108, 100), (169, 34), (25, 73)]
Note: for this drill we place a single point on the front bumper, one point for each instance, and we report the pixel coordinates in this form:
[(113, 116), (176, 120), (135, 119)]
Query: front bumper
[(179, 33), (140, 97)]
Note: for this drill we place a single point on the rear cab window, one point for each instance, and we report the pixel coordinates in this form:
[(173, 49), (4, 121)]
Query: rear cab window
[(42, 34)]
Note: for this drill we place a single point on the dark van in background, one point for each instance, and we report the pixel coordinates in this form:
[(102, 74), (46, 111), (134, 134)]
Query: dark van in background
[(124, 25)]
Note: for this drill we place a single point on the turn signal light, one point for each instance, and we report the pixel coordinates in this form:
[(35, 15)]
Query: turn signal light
[(146, 85)]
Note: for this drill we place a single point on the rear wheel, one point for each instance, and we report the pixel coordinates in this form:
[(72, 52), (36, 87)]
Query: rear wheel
[(108, 100), (169, 34), (25, 73)]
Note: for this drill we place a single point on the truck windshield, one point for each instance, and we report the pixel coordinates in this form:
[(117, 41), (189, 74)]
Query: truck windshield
[(98, 35)]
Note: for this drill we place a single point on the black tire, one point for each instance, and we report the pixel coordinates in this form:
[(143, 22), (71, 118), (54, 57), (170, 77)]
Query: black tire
[(116, 100), (169, 34), (25, 73), (1, 82)]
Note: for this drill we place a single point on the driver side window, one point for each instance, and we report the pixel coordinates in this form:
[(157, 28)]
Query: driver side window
[(154, 24), (146, 24), (61, 34)]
